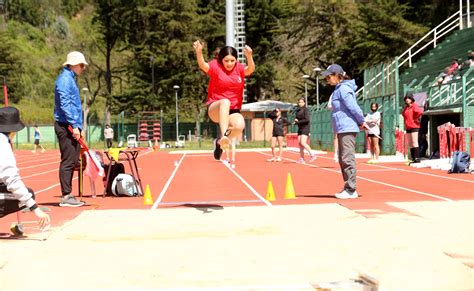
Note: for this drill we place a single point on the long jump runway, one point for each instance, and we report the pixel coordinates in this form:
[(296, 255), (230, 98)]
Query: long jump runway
[(211, 229)]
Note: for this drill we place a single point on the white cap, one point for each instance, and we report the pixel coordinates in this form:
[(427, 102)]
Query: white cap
[(75, 58)]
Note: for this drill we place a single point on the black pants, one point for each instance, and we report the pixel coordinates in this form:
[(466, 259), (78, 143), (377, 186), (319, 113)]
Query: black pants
[(70, 151), (109, 142), (10, 206)]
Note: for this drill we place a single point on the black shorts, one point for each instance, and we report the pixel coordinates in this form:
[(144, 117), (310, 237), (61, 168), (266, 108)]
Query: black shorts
[(277, 135), (371, 135), (304, 131), (37, 142), (413, 130), (232, 111)]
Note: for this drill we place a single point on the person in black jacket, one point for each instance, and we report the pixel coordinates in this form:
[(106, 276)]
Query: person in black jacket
[(277, 134), (302, 119)]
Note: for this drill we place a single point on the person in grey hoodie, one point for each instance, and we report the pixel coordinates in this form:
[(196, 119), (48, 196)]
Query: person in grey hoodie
[(347, 119)]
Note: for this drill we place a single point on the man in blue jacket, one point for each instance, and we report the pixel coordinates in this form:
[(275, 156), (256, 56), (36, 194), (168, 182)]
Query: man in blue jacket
[(68, 112)]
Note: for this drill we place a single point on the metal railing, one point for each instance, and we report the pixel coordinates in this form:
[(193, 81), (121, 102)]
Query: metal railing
[(431, 38)]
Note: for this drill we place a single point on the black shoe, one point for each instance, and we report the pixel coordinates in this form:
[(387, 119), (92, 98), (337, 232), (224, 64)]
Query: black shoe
[(217, 150)]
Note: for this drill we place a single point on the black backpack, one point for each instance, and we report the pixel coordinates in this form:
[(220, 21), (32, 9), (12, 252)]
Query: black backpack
[(460, 163), (115, 170)]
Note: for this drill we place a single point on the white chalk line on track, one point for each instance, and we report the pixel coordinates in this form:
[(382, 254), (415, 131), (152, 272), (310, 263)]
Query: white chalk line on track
[(165, 188), (32, 160), (210, 202), (372, 180), (411, 171), (248, 185)]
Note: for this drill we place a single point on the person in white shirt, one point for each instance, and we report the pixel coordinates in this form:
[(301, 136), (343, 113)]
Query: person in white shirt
[(373, 121), (14, 195), (108, 135)]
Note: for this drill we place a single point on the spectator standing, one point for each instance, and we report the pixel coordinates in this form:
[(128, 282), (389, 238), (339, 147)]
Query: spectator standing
[(411, 114), (68, 113), (302, 119), (108, 135), (37, 144), (14, 195), (225, 92), (373, 122), (277, 133), (347, 119)]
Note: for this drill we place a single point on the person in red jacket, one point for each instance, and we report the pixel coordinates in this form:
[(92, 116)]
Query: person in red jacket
[(225, 92), (411, 115)]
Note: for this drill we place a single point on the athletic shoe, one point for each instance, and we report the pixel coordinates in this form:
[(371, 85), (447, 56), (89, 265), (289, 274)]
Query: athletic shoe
[(370, 161), (346, 195), (278, 159), (271, 160), (312, 158), (301, 161), (217, 150), (70, 201)]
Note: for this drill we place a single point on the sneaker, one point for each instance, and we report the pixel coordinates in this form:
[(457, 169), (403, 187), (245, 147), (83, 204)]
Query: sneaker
[(278, 159), (312, 158), (217, 150), (346, 195), (70, 201), (271, 160), (301, 161), (43, 150), (370, 161)]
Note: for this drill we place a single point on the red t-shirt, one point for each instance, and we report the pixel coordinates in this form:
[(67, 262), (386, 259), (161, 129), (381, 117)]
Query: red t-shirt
[(226, 84)]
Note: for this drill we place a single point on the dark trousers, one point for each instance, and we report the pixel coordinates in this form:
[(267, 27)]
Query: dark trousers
[(70, 151), (346, 146), (109, 142), (10, 206)]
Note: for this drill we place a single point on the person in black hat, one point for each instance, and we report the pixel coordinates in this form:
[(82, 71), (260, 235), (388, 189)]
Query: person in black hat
[(14, 196)]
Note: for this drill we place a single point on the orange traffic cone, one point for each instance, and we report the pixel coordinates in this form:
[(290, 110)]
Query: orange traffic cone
[(290, 190), (270, 193), (147, 198)]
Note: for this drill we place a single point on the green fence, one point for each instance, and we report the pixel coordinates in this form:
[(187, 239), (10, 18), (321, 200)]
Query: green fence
[(322, 133)]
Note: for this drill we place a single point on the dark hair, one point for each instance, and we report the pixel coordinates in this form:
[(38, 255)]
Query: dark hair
[(226, 51), (409, 96), (215, 53), (376, 105)]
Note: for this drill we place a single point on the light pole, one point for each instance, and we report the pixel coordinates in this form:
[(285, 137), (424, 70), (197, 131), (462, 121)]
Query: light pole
[(306, 77), (176, 88), (317, 70)]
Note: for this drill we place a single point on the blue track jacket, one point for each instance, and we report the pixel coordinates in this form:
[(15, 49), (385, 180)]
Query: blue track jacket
[(346, 114), (67, 100)]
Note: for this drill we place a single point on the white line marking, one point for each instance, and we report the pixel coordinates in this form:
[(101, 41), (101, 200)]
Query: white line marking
[(37, 160), (248, 185), (380, 170), (38, 174), (165, 188), (35, 166), (374, 181), (209, 202), (416, 172)]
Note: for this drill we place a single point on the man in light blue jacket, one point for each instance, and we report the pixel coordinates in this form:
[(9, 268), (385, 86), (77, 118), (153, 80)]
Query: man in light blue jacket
[(68, 112), (347, 119)]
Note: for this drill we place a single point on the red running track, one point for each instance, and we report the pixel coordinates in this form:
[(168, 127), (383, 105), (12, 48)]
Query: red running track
[(196, 180)]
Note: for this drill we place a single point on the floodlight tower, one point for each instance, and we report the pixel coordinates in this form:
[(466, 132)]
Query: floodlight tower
[(235, 30)]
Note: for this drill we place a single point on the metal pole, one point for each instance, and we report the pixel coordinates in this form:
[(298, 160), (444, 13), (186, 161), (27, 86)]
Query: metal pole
[(229, 23), (468, 12), (176, 88), (317, 91)]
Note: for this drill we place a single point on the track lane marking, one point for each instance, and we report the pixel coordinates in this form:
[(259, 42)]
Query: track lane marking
[(248, 185), (373, 181), (165, 188), (411, 171)]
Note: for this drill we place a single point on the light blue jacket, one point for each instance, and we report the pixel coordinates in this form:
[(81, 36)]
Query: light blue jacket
[(67, 100), (346, 114)]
